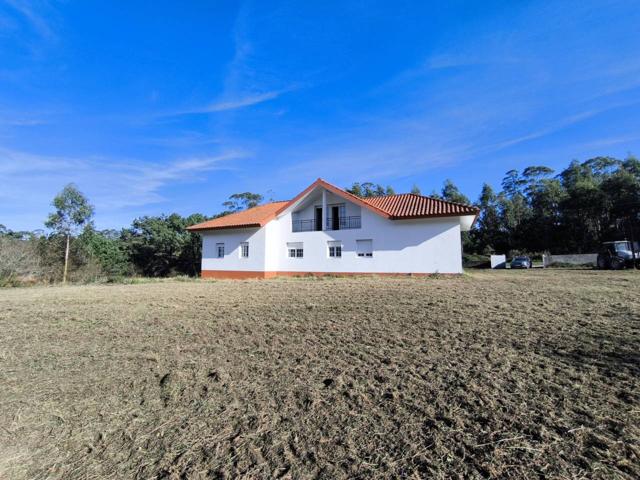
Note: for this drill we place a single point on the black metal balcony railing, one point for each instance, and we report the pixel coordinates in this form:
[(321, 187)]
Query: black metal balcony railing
[(304, 225), (340, 223), (343, 223)]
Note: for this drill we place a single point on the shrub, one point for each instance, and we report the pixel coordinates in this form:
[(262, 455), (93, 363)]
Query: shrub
[(19, 262)]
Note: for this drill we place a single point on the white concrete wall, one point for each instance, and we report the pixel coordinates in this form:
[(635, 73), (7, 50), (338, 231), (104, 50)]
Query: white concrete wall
[(399, 246), (232, 239)]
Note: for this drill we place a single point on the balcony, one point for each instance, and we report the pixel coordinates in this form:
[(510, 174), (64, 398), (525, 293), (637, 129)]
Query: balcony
[(337, 223)]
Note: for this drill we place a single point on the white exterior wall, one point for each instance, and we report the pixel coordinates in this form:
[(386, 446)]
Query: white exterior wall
[(399, 246), (232, 239)]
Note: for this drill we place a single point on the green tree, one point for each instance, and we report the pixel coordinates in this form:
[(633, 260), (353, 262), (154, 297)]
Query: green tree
[(189, 260), (369, 189), (489, 234), (242, 201), (512, 183), (451, 193), (108, 250), (415, 189), (73, 211), (161, 246)]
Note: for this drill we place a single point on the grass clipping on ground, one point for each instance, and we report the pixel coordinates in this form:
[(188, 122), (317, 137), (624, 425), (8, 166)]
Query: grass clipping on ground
[(497, 374)]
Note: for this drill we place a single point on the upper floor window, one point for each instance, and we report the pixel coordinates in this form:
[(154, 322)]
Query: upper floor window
[(364, 248), (220, 249), (295, 249), (335, 249), (244, 249)]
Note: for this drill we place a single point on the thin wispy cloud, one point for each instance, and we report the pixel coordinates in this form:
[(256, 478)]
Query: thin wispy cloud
[(611, 141), (232, 103), (31, 11), (31, 180), (246, 101), (560, 125)]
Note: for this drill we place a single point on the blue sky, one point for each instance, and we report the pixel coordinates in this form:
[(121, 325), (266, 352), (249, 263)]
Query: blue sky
[(153, 107)]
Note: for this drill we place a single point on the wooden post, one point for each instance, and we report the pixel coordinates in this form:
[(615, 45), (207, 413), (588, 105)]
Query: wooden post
[(66, 261)]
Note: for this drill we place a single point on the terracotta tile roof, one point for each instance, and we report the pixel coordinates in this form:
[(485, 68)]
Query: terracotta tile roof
[(394, 207), (254, 217), (408, 205)]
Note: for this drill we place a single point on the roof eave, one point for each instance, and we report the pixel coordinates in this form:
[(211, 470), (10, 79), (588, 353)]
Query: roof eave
[(195, 228), (434, 215)]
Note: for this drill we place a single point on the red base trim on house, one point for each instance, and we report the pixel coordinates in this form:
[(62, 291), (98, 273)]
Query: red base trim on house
[(244, 275)]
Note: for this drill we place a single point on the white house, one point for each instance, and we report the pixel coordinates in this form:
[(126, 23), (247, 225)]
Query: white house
[(326, 230)]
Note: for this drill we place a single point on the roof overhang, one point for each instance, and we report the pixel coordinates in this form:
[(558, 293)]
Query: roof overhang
[(196, 228)]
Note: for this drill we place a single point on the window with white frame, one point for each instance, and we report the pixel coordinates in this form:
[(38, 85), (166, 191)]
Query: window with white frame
[(335, 249), (364, 248), (220, 249), (244, 249), (295, 249)]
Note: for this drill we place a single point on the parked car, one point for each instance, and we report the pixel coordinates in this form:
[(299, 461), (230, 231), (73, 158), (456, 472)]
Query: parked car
[(521, 262), (616, 256)]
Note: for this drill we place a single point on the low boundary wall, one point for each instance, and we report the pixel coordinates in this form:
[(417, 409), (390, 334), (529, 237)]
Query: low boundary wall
[(577, 259)]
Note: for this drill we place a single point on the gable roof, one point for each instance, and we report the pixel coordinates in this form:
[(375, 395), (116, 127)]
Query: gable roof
[(393, 207), (336, 190), (409, 205), (253, 217)]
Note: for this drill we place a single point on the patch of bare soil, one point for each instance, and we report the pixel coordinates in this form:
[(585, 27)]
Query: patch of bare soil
[(529, 374)]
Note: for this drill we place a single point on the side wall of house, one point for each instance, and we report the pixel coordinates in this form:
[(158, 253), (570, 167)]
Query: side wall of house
[(399, 246), (232, 260)]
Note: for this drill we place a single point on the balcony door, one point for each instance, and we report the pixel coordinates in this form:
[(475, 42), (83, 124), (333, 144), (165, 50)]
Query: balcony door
[(335, 217), (318, 218)]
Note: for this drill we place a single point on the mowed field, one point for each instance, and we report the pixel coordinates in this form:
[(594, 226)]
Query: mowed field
[(531, 374)]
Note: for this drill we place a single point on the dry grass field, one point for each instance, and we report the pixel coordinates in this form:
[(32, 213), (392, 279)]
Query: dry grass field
[(531, 374)]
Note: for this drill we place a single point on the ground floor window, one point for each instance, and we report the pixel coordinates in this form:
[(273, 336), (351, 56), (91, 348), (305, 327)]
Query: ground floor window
[(295, 249), (244, 249), (364, 248), (220, 249), (335, 249)]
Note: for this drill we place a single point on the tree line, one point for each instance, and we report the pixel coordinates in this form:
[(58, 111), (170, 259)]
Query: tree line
[(152, 246), (536, 210)]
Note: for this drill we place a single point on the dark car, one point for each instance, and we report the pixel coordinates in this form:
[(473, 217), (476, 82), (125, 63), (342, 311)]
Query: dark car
[(521, 262), (617, 255)]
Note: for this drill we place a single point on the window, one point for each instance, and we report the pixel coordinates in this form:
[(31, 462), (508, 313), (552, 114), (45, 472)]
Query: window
[(364, 248), (244, 249), (335, 249), (295, 249), (220, 249)]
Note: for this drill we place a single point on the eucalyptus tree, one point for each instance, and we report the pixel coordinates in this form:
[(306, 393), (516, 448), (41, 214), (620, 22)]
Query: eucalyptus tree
[(72, 212)]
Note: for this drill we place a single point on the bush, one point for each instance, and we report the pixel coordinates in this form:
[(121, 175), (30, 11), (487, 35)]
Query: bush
[(476, 261), (106, 252), (19, 262)]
